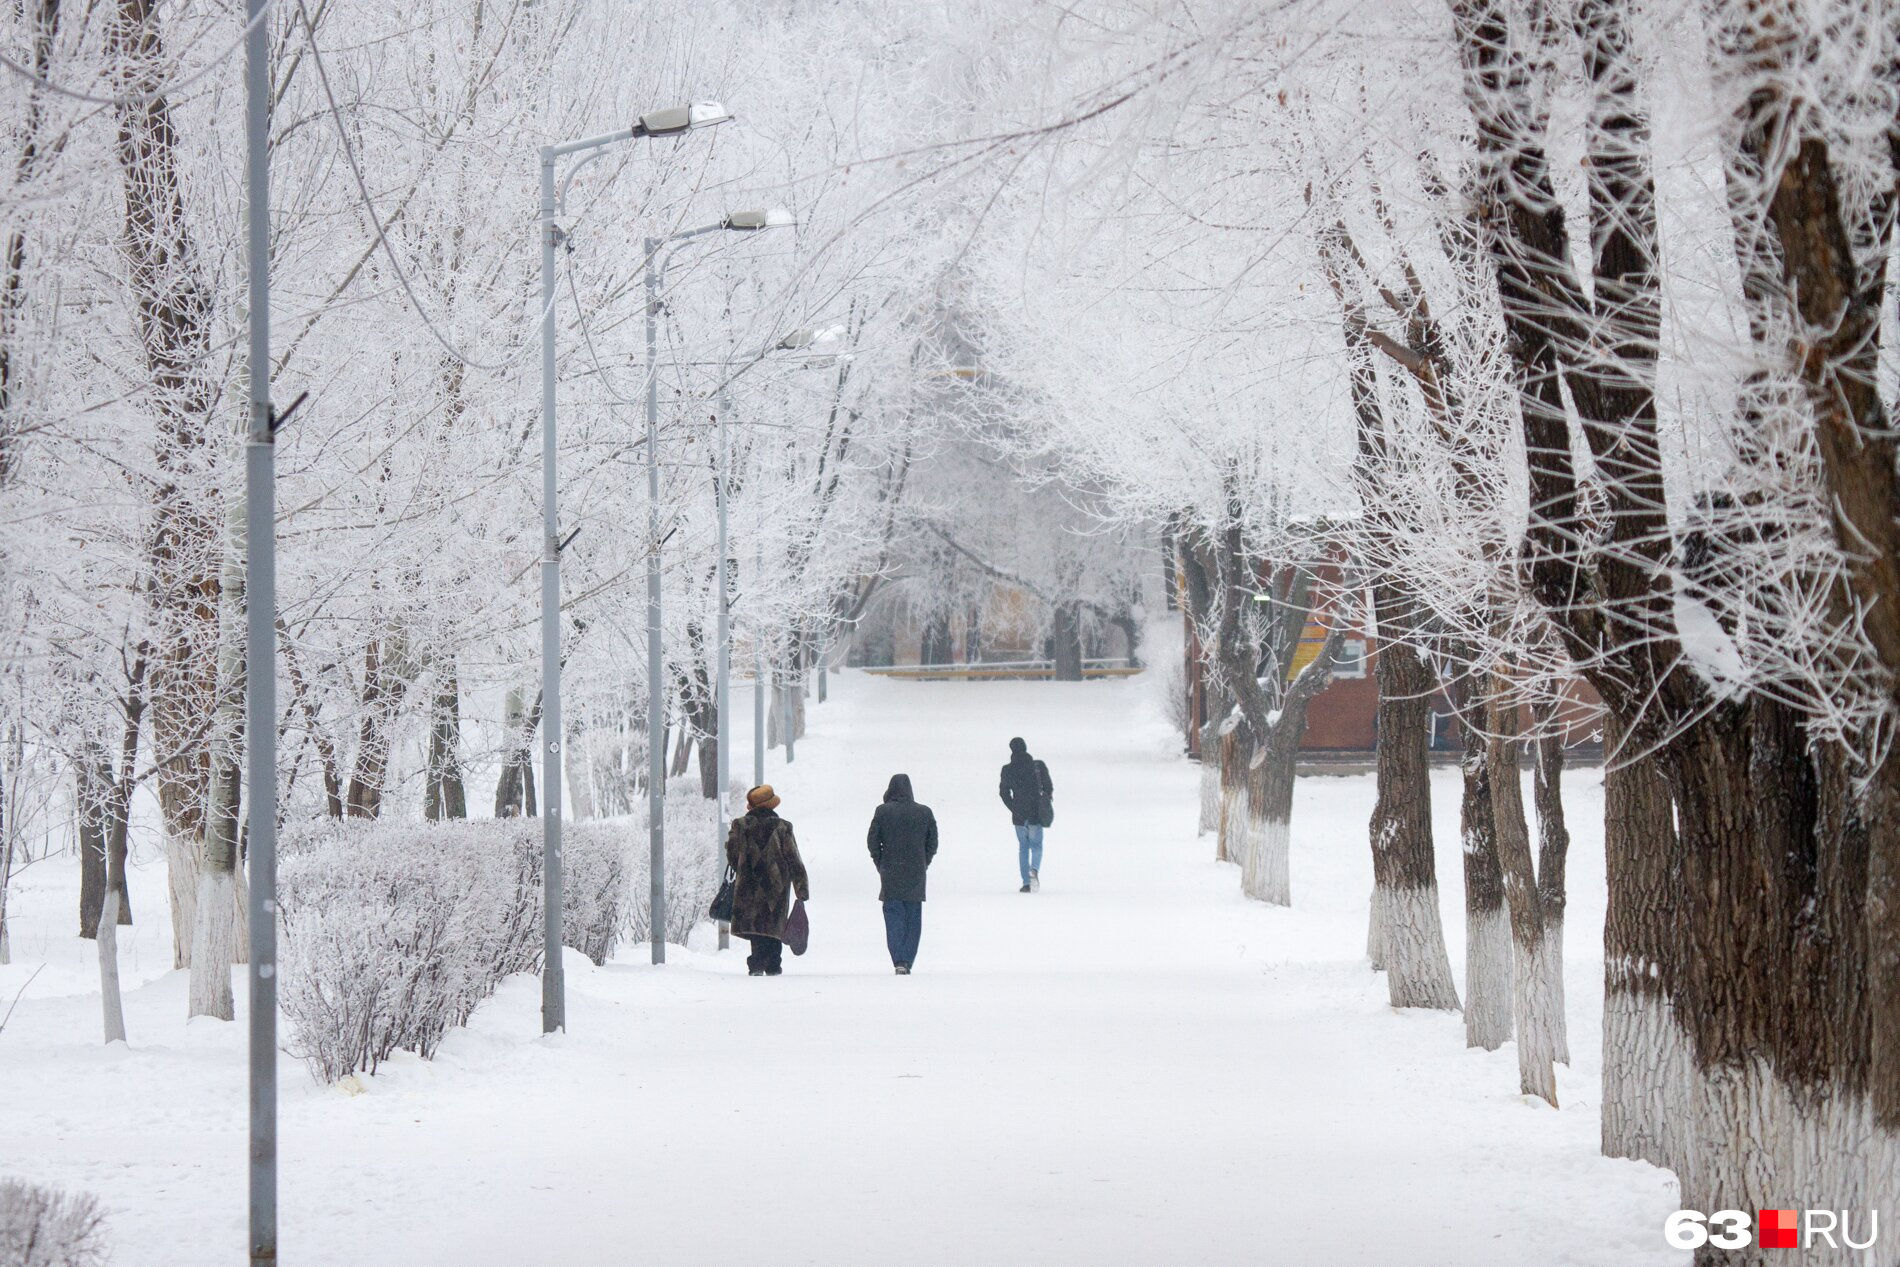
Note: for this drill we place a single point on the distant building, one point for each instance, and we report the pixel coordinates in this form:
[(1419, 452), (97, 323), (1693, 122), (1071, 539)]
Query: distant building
[(1342, 721)]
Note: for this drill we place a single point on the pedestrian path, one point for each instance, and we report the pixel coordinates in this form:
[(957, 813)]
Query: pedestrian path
[(1135, 1067)]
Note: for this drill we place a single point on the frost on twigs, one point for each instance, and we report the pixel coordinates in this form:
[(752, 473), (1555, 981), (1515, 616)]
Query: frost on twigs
[(393, 933), (44, 1227)]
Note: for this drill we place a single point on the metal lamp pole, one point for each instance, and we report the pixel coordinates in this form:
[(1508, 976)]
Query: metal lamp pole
[(670, 122), (722, 698), (260, 651), (735, 222), (758, 679)]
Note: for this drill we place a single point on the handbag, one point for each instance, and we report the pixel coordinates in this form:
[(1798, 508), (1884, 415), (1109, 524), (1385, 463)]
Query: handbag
[(797, 929), (721, 908)]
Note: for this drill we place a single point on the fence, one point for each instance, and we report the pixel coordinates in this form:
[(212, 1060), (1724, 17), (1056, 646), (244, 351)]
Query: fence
[(1002, 670)]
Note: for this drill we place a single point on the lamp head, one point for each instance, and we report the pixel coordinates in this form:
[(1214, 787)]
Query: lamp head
[(799, 340), (752, 221), (677, 119)]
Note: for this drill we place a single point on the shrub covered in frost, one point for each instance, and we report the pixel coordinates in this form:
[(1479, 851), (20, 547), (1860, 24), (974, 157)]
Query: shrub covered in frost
[(695, 863), (44, 1227), (393, 932)]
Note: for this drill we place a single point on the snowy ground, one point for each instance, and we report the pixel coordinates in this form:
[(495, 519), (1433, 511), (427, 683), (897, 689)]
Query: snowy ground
[(1134, 1067)]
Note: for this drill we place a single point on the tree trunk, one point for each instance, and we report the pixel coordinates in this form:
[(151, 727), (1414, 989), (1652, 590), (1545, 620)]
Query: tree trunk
[(1533, 1011), (1487, 926), (1553, 849), (1646, 1071), (937, 647), (444, 795), (514, 790), (1267, 874), (92, 779), (26, 167), (1411, 933), (1236, 759), (215, 935), (10, 764), (116, 909), (382, 695), (578, 766), (1131, 634), (1068, 642), (1210, 777), (175, 315)]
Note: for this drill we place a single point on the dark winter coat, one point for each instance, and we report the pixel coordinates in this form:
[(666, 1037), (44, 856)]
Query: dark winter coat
[(764, 857), (1027, 791), (903, 840)]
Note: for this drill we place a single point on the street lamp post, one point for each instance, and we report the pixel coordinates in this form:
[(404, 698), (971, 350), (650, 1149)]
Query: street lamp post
[(670, 122), (735, 222), (260, 653)]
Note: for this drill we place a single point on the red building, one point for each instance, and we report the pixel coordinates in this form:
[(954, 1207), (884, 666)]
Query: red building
[(1343, 719)]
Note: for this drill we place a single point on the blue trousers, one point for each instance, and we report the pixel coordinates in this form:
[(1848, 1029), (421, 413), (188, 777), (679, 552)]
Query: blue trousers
[(903, 929), (1028, 848)]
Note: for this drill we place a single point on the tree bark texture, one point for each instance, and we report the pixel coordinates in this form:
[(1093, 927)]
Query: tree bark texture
[(1488, 970), (444, 795), (1784, 989), (1417, 966), (175, 321), (1533, 1009), (1646, 1076), (1553, 851), (514, 790)]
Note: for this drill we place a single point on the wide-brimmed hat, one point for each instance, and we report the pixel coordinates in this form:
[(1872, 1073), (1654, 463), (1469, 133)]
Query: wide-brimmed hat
[(761, 797)]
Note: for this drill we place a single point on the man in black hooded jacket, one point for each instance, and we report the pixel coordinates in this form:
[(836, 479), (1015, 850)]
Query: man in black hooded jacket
[(1029, 794), (903, 840)]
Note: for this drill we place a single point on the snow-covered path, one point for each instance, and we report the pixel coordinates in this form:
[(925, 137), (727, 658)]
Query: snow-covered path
[(1135, 1066)]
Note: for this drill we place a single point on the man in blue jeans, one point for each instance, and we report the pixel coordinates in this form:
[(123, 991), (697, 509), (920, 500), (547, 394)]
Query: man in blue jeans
[(1029, 794), (903, 840)]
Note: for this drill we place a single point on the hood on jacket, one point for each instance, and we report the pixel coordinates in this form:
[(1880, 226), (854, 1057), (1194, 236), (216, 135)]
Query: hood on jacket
[(1017, 748), (899, 790)]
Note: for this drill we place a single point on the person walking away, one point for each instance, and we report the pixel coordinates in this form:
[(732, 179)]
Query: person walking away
[(1029, 794), (903, 840), (766, 868)]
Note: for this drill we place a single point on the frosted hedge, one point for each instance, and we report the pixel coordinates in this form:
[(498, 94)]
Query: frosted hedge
[(392, 933)]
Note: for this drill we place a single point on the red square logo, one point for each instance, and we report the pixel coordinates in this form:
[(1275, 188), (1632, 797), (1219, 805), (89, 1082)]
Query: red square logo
[(1778, 1229)]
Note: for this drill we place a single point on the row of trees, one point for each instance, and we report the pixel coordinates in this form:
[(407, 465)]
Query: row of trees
[(403, 158), (403, 155), (1543, 342)]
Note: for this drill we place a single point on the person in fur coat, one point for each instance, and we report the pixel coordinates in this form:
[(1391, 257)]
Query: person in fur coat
[(764, 857)]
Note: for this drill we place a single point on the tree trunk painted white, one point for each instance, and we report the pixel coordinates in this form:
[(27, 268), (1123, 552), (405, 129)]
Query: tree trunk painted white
[(1210, 778), (1487, 978), (1487, 926), (1553, 850), (1418, 971), (1553, 963), (1375, 929), (1417, 965), (1646, 1074), (214, 933), (108, 939), (1646, 1071), (1267, 875), (579, 769), (1230, 842), (214, 945), (1760, 1145), (1534, 1012), (181, 888)]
